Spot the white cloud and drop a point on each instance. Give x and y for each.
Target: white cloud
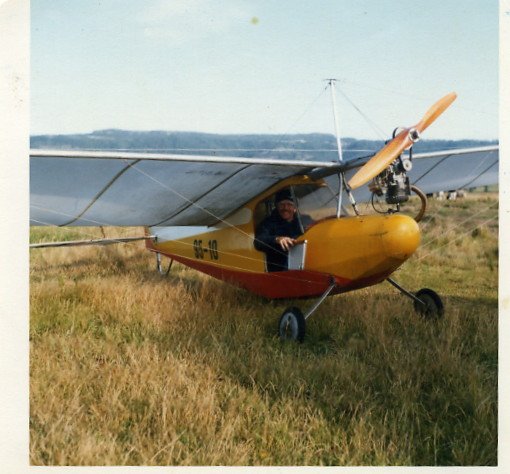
(183, 20)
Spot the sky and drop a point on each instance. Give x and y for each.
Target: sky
(249, 66)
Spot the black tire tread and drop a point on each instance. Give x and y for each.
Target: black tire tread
(301, 324)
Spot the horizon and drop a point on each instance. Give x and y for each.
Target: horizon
(191, 132)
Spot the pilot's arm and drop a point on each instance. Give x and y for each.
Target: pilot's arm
(265, 237)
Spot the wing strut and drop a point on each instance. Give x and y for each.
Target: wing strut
(342, 184)
(75, 243)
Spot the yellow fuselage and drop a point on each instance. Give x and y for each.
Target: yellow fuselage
(356, 251)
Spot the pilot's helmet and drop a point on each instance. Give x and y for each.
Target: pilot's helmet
(283, 195)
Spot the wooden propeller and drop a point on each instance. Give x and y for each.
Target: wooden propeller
(402, 141)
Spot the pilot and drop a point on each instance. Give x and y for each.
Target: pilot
(277, 233)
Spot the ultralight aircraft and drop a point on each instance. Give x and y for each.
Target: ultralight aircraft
(202, 211)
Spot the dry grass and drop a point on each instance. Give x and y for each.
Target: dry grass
(128, 367)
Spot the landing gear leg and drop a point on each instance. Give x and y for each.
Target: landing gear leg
(427, 302)
(159, 267)
(292, 324)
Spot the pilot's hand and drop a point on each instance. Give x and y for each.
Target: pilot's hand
(285, 242)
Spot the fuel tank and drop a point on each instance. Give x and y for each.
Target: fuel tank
(361, 247)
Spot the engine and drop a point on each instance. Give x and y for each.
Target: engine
(393, 182)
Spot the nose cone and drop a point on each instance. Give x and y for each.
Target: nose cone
(401, 237)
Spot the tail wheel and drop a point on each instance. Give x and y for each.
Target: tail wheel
(292, 325)
(431, 306)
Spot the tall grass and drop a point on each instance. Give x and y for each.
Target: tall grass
(128, 367)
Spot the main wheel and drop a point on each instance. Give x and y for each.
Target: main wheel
(292, 325)
(432, 307)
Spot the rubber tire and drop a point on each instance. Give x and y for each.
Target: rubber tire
(433, 309)
(292, 325)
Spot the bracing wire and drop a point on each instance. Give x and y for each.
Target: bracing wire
(374, 126)
(307, 108)
(460, 236)
(452, 228)
(410, 95)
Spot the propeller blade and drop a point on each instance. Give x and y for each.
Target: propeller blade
(435, 111)
(385, 156)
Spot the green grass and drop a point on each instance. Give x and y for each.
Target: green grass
(129, 367)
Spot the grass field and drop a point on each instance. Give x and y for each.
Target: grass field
(128, 367)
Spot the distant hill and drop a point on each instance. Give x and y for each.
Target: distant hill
(312, 146)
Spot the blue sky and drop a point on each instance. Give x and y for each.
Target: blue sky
(248, 66)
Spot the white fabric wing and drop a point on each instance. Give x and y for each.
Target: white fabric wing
(455, 169)
(128, 189)
(94, 189)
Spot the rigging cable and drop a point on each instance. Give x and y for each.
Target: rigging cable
(374, 126)
(308, 107)
(457, 238)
